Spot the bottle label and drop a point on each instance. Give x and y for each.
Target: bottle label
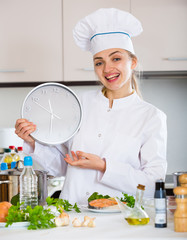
(160, 211)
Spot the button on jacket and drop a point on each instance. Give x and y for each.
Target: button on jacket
(131, 137)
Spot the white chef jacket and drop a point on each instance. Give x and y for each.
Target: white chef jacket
(131, 136)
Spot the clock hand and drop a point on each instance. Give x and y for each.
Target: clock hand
(51, 122)
(46, 109)
(51, 110)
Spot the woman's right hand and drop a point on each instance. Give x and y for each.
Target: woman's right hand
(23, 128)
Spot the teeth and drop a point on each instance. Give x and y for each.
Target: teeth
(112, 76)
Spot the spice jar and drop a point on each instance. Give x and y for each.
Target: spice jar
(180, 215)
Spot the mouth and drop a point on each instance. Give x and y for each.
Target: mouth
(112, 77)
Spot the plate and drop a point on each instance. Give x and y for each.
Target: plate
(15, 225)
(107, 210)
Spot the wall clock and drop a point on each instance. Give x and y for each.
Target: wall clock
(56, 111)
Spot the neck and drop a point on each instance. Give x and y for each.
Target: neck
(111, 95)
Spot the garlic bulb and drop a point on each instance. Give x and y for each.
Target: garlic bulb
(62, 220)
(76, 222)
(91, 223)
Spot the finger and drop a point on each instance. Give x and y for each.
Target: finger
(74, 156)
(83, 155)
(19, 121)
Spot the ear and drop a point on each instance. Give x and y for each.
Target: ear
(134, 63)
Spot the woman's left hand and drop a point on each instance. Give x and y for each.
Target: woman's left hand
(86, 160)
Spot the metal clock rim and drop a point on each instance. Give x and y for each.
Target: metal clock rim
(65, 87)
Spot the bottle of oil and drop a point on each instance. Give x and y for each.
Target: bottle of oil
(7, 158)
(138, 216)
(160, 205)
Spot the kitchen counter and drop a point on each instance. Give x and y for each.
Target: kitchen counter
(108, 226)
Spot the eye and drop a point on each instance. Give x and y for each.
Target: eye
(98, 64)
(116, 59)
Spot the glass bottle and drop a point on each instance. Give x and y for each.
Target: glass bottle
(160, 205)
(138, 216)
(21, 156)
(7, 158)
(28, 185)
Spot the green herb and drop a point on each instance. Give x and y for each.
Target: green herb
(15, 215)
(130, 200)
(38, 217)
(95, 195)
(62, 204)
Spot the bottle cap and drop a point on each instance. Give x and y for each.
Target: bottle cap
(20, 148)
(27, 161)
(141, 187)
(12, 147)
(13, 164)
(7, 150)
(160, 184)
(4, 166)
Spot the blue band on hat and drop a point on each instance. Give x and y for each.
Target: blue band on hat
(109, 33)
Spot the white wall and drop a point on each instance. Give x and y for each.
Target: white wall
(167, 94)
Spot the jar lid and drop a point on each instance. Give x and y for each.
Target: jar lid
(20, 148)
(12, 147)
(7, 150)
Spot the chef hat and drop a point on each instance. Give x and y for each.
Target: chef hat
(107, 28)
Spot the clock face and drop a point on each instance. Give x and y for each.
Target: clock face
(56, 111)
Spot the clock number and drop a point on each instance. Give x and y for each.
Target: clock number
(44, 91)
(27, 108)
(35, 99)
(56, 90)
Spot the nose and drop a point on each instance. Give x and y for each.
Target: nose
(108, 67)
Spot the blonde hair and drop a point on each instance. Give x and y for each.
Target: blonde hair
(134, 81)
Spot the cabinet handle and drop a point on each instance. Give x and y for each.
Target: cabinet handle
(11, 70)
(175, 59)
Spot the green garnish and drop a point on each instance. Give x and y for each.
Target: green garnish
(95, 195)
(62, 204)
(130, 200)
(38, 217)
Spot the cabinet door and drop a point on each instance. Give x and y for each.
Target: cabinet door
(31, 40)
(162, 45)
(78, 65)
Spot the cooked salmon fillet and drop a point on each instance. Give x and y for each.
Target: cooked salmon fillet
(102, 203)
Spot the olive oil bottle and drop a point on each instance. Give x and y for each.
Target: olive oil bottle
(138, 216)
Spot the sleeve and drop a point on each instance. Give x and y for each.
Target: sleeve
(48, 158)
(152, 157)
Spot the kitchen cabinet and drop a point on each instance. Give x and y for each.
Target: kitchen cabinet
(30, 41)
(162, 45)
(78, 65)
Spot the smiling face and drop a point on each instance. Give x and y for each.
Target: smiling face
(114, 68)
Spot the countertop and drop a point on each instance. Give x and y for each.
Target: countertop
(108, 226)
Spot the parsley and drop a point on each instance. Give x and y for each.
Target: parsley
(38, 217)
(62, 204)
(95, 195)
(130, 200)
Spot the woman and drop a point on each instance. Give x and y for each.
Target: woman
(122, 140)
